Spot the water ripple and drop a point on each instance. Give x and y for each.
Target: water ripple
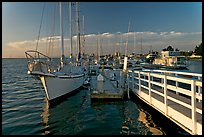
(25, 110)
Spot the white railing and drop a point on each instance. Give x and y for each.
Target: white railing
(181, 88)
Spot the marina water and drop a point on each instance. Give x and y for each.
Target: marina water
(26, 112)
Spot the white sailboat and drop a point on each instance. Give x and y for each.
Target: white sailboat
(57, 83)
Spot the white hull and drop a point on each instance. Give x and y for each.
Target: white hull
(59, 86)
(56, 82)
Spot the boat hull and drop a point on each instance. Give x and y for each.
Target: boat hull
(56, 87)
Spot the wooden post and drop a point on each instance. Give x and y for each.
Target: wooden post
(165, 94)
(193, 104)
(149, 83)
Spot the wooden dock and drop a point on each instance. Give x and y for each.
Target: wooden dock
(106, 90)
(181, 104)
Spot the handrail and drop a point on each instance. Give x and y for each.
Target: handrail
(176, 72)
(36, 59)
(194, 92)
(35, 52)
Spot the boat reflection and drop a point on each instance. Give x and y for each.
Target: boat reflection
(127, 126)
(142, 125)
(147, 120)
(45, 117)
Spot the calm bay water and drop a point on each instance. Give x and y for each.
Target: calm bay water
(195, 66)
(26, 112)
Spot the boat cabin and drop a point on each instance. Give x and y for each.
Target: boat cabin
(171, 58)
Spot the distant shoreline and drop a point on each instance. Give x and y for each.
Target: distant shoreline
(196, 59)
(23, 58)
(13, 58)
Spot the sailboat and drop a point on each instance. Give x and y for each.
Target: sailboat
(59, 82)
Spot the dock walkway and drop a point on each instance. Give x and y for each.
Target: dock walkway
(181, 104)
(106, 90)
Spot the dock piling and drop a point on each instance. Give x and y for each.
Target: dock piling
(193, 104)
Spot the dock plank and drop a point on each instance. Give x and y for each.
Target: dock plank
(106, 89)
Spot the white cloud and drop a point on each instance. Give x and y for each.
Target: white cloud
(158, 40)
(104, 34)
(195, 33)
(20, 44)
(172, 33)
(90, 35)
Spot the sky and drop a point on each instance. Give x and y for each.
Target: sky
(152, 25)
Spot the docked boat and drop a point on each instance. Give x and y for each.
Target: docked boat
(171, 60)
(69, 75)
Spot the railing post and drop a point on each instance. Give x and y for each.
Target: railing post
(193, 104)
(139, 83)
(162, 80)
(176, 83)
(165, 94)
(152, 79)
(199, 90)
(149, 83)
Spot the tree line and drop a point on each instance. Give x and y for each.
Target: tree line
(197, 50)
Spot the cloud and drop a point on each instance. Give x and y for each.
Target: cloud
(195, 33)
(20, 44)
(104, 34)
(33, 43)
(158, 40)
(90, 35)
(172, 33)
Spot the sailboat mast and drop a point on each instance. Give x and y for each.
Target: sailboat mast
(141, 46)
(134, 44)
(121, 44)
(79, 37)
(83, 35)
(61, 29)
(98, 47)
(126, 58)
(127, 40)
(78, 46)
(70, 27)
(115, 45)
